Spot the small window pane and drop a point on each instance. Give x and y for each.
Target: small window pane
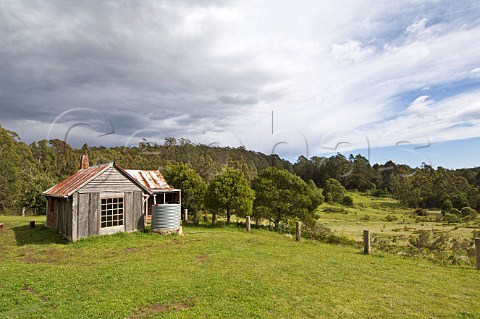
(111, 212)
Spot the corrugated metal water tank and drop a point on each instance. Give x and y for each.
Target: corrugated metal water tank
(166, 216)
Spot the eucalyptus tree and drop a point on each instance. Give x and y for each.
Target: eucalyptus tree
(281, 195)
(229, 193)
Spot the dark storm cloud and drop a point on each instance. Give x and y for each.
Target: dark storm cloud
(215, 70)
(136, 62)
(238, 100)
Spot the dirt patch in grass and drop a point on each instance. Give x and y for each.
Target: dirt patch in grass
(201, 258)
(35, 293)
(161, 308)
(52, 256)
(132, 250)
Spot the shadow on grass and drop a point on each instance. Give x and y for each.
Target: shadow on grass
(40, 235)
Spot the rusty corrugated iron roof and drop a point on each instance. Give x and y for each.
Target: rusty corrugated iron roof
(150, 181)
(153, 180)
(68, 186)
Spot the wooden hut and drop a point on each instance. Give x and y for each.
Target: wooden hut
(96, 200)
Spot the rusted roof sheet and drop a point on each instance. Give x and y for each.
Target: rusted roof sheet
(153, 180)
(150, 181)
(68, 186)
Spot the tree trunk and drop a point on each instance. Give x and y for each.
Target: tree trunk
(228, 217)
(214, 217)
(195, 220)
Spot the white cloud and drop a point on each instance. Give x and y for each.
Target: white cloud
(197, 71)
(453, 118)
(418, 27)
(351, 51)
(421, 104)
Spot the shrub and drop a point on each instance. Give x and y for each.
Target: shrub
(433, 245)
(323, 233)
(381, 193)
(348, 200)
(335, 189)
(456, 212)
(220, 223)
(461, 245)
(473, 215)
(468, 213)
(328, 197)
(339, 210)
(460, 200)
(420, 212)
(422, 219)
(206, 218)
(446, 206)
(391, 218)
(451, 218)
(439, 247)
(365, 218)
(426, 239)
(386, 244)
(476, 234)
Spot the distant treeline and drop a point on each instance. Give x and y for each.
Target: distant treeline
(423, 187)
(27, 170)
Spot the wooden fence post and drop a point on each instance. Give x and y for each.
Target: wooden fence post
(185, 215)
(248, 223)
(366, 242)
(477, 249)
(298, 231)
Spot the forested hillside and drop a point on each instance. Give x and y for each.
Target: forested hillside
(423, 187)
(27, 170)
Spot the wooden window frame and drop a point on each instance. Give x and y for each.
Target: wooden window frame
(112, 212)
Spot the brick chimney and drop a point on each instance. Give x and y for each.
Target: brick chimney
(84, 161)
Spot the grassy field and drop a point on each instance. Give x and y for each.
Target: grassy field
(219, 273)
(385, 217)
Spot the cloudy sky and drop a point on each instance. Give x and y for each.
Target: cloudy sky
(393, 80)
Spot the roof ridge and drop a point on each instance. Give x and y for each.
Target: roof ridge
(108, 163)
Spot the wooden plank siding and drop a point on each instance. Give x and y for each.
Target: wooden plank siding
(61, 218)
(128, 211)
(68, 214)
(110, 181)
(93, 218)
(75, 197)
(139, 220)
(133, 213)
(87, 215)
(83, 213)
(64, 217)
